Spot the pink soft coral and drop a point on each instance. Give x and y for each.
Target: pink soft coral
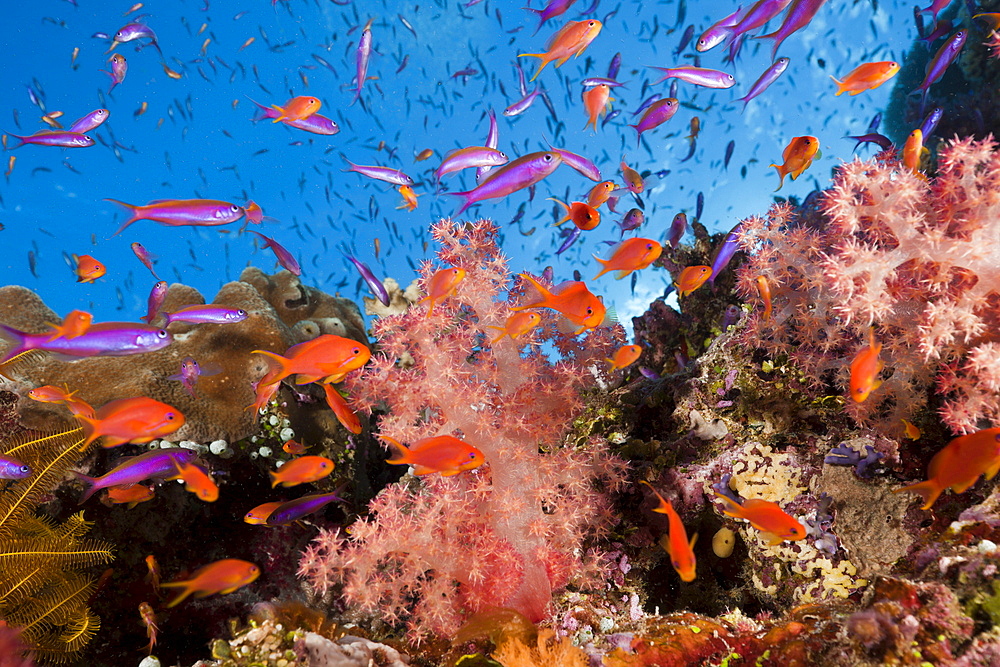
(509, 533)
(918, 259)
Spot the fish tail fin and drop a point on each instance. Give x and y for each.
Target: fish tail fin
(604, 266)
(545, 294)
(130, 209)
(401, 453)
(782, 172)
(928, 490)
(840, 85)
(733, 508)
(466, 204)
(499, 337)
(19, 138)
(17, 340)
(89, 426)
(92, 486)
(188, 590)
(281, 114)
(282, 362)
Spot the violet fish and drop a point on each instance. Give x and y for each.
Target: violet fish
(91, 121)
(157, 464)
(11, 468)
(179, 212)
(207, 314)
(379, 173)
(361, 58)
(800, 14)
(105, 339)
(156, 297)
(769, 76)
(944, 57)
(57, 138)
(284, 257)
(521, 173)
(659, 112)
(578, 162)
(699, 76)
(374, 284)
(725, 251)
(293, 510)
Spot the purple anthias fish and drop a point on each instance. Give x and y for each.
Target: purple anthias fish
(492, 141)
(719, 31)
(191, 370)
(361, 58)
(466, 158)
(374, 284)
(769, 76)
(573, 234)
(59, 138)
(600, 81)
(143, 256)
(207, 314)
(801, 13)
(760, 13)
(646, 102)
(659, 112)
(614, 66)
(119, 68)
(132, 31)
(155, 301)
(157, 464)
(871, 138)
(553, 9)
(632, 220)
(294, 510)
(179, 212)
(699, 76)
(931, 122)
(522, 105)
(579, 163)
(944, 57)
(677, 228)
(521, 173)
(285, 258)
(91, 121)
(11, 468)
(106, 339)
(724, 253)
(316, 123)
(387, 174)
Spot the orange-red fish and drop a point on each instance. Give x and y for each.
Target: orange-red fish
(293, 447)
(517, 325)
(624, 356)
(959, 465)
(571, 39)
(149, 620)
(152, 572)
(442, 285)
(222, 576)
(600, 193)
(258, 515)
(445, 454)
(797, 156)
(197, 481)
(328, 357)
(773, 523)
(572, 299)
(913, 151)
(302, 470)
(910, 431)
(866, 77)
(423, 155)
(138, 420)
(409, 198)
(88, 269)
(132, 495)
(628, 256)
(865, 368)
(595, 101)
(297, 108)
(583, 215)
(343, 412)
(692, 278)
(75, 324)
(680, 549)
(764, 288)
(633, 181)
(52, 394)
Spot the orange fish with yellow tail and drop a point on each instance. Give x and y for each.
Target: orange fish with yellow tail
(677, 545)
(571, 299)
(959, 465)
(797, 156)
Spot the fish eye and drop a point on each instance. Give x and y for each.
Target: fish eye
(234, 208)
(548, 157)
(241, 313)
(170, 416)
(356, 350)
(502, 154)
(162, 333)
(25, 469)
(590, 311)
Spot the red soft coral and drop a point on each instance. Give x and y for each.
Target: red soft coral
(509, 533)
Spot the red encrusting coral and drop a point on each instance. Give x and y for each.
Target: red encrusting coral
(917, 259)
(509, 533)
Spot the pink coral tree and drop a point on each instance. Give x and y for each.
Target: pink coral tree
(918, 259)
(509, 533)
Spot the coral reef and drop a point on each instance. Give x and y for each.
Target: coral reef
(506, 534)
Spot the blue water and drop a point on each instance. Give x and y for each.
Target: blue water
(196, 138)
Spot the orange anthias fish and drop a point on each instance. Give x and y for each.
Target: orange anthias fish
(138, 420)
(571, 39)
(866, 77)
(197, 481)
(775, 526)
(297, 108)
(601, 193)
(294, 447)
(132, 495)
(302, 470)
(88, 269)
(75, 324)
(633, 181)
(409, 198)
(343, 412)
(445, 454)
(517, 325)
(52, 394)
(595, 102)
(328, 358)
(692, 278)
(680, 549)
(630, 255)
(572, 299)
(149, 620)
(959, 465)
(258, 515)
(624, 356)
(865, 368)
(909, 430)
(913, 152)
(442, 285)
(798, 155)
(764, 288)
(583, 215)
(222, 576)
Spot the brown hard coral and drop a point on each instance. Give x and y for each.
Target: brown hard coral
(218, 411)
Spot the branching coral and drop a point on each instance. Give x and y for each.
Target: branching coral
(508, 533)
(917, 259)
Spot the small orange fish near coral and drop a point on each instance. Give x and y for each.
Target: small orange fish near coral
(409, 198)
(630, 255)
(294, 447)
(914, 151)
(909, 430)
(692, 278)
(624, 356)
(601, 193)
(88, 269)
(302, 470)
(442, 284)
(222, 576)
(149, 620)
(258, 515)
(343, 412)
(633, 181)
(677, 545)
(445, 454)
(197, 481)
(132, 495)
(797, 156)
(865, 368)
(773, 523)
(517, 325)
(75, 324)
(328, 357)
(595, 102)
(866, 77)
(959, 465)
(138, 420)
(570, 298)
(764, 289)
(583, 215)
